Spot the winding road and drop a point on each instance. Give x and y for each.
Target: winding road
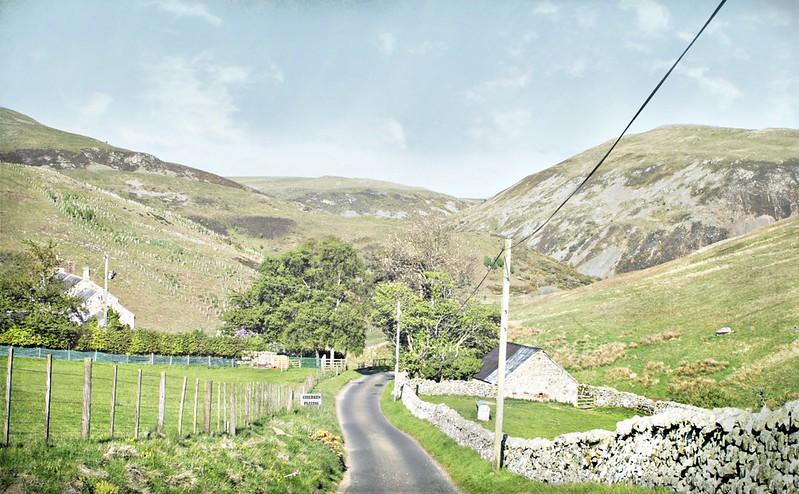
(381, 457)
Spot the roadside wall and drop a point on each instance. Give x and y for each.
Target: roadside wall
(723, 450)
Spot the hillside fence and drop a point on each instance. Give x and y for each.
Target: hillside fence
(151, 359)
(58, 401)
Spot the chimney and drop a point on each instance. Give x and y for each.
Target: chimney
(86, 273)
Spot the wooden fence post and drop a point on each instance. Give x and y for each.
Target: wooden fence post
(86, 416)
(182, 403)
(48, 389)
(225, 425)
(209, 386)
(218, 404)
(162, 402)
(232, 430)
(9, 371)
(196, 391)
(138, 407)
(247, 404)
(113, 400)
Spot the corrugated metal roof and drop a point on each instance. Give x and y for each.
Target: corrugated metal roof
(515, 356)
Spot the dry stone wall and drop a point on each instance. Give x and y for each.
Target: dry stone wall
(464, 388)
(724, 450)
(609, 397)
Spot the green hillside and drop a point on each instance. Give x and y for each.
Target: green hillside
(182, 239)
(20, 131)
(358, 196)
(661, 194)
(653, 331)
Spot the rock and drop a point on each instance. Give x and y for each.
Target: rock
(89, 473)
(123, 451)
(723, 331)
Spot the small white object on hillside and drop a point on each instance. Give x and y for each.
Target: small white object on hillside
(723, 331)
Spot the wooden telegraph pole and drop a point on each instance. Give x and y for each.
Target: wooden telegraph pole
(396, 351)
(503, 343)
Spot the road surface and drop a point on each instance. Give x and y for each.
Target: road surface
(382, 458)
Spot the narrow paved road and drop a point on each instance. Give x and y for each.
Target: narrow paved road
(382, 458)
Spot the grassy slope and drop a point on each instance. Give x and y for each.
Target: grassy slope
(274, 455)
(642, 207)
(27, 413)
(22, 132)
(529, 419)
(471, 473)
(665, 317)
(350, 196)
(173, 274)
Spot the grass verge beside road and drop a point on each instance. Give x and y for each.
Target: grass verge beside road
(472, 474)
(300, 451)
(531, 419)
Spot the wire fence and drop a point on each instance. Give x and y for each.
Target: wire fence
(51, 400)
(151, 359)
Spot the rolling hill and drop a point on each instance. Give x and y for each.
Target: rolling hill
(180, 238)
(653, 331)
(358, 196)
(661, 195)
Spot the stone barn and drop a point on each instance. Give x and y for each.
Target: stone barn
(530, 374)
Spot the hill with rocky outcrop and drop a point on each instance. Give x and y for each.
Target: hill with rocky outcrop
(358, 196)
(661, 195)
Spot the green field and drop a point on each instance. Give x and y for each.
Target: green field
(530, 419)
(471, 473)
(298, 451)
(653, 331)
(28, 389)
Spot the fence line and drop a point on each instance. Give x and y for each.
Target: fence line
(75, 407)
(151, 359)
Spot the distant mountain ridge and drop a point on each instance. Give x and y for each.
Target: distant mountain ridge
(358, 196)
(26, 141)
(661, 195)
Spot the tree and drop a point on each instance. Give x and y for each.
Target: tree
(307, 299)
(439, 339)
(427, 246)
(35, 309)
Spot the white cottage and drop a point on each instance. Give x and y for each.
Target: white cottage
(530, 374)
(91, 295)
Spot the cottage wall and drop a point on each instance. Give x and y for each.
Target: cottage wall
(540, 378)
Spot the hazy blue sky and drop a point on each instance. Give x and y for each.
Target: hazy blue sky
(465, 97)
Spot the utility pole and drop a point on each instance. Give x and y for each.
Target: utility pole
(396, 350)
(105, 293)
(503, 344)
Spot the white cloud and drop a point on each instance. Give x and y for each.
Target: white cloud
(395, 133)
(276, 73)
(96, 105)
(586, 17)
(545, 7)
(433, 48)
(185, 8)
(784, 102)
(190, 100)
(518, 47)
(500, 127)
(639, 47)
(387, 44)
(720, 88)
(650, 16)
(515, 78)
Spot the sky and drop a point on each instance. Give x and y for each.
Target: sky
(463, 97)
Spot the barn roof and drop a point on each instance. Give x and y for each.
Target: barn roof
(515, 356)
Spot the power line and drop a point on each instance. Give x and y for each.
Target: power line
(604, 157)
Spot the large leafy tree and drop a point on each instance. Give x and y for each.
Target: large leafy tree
(439, 338)
(306, 299)
(35, 309)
